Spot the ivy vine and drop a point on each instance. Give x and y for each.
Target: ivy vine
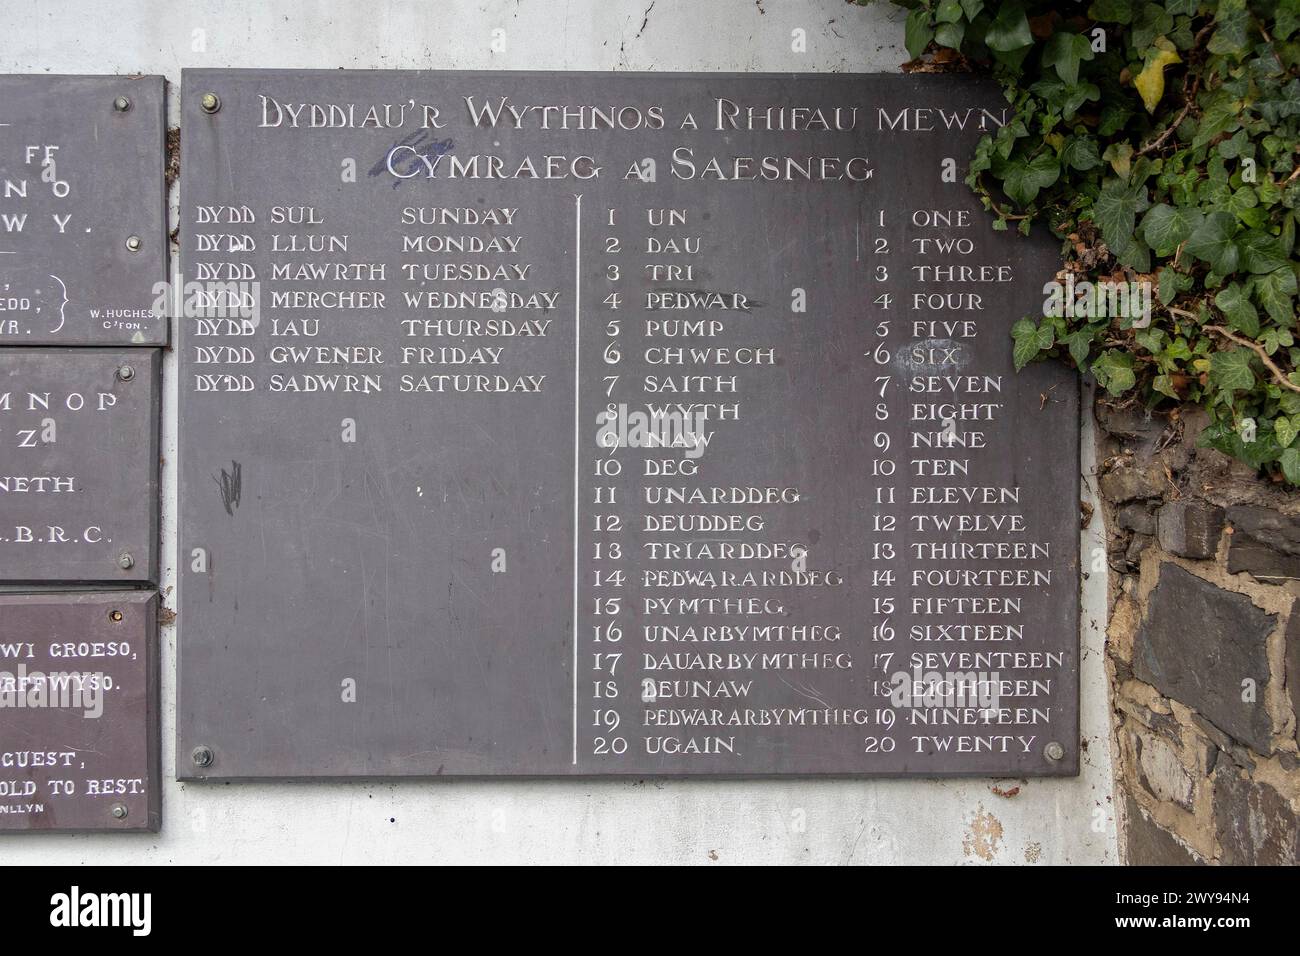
(1160, 141)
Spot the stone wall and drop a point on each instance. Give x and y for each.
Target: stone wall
(1203, 645)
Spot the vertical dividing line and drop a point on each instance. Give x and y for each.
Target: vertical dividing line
(577, 395)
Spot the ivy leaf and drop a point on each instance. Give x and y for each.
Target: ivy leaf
(1023, 179)
(1212, 242)
(1065, 98)
(917, 32)
(1153, 21)
(1285, 431)
(1275, 290)
(1230, 370)
(1225, 438)
(1231, 21)
(948, 11)
(1290, 460)
(1171, 283)
(1120, 157)
(1114, 371)
(1080, 343)
(1114, 115)
(1112, 11)
(1221, 113)
(1236, 307)
(1065, 51)
(1150, 82)
(1080, 152)
(972, 8)
(1243, 203)
(1165, 228)
(1009, 30)
(1136, 255)
(1151, 339)
(1257, 453)
(1030, 339)
(1260, 252)
(1115, 213)
(1236, 147)
(1275, 339)
(950, 35)
(1288, 19)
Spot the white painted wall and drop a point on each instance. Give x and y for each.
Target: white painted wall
(791, 821)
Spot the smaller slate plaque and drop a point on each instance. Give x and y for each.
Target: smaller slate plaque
(79, 711)
(79, 465)
(83, 227)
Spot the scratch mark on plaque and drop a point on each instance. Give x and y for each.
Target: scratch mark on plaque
(810, 694)
(231, 484)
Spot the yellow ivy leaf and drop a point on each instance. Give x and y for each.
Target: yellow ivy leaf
(1150, 82)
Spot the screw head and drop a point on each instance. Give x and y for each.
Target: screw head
(121, 104)
(126, 373)
(1054, 751)
(119, 811)
(202, 756)
(210, 102)
(134, 243)
(125, 561)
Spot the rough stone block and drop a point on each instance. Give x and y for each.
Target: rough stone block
(1161, 772)
(1254, 824)
(1136, 545)
(1189, 528)
(1264, 542)
(1198, 643)
(1148, 844)
(1221, 744)
(1130, 480)
(1137, 516)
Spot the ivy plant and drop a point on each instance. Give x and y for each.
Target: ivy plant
(1160, 141)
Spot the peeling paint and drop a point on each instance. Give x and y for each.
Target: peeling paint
(983, 836)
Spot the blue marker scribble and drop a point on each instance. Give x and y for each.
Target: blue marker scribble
(425, 148)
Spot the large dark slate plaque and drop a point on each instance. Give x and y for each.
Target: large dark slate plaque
(83, 227)
(79, 466)
(79, 711)
(411, 542)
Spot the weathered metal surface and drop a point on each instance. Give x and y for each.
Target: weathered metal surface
(83, 228)
(79, 739)
(79, 465)
(402, 540)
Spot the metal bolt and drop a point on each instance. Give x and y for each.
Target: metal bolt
(119, 811)
(126, 373)
(202, 756)
(125, 561)
(121, 104)
(1054, 751)
(211, 102)
(134, 243)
